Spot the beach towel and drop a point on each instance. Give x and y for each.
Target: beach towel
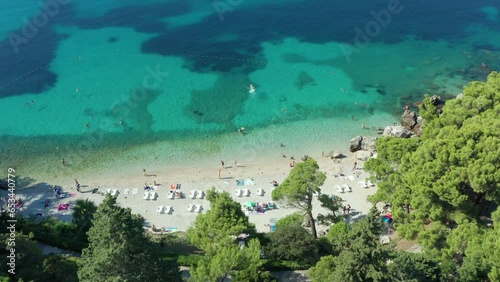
(171, 229)
(63, 207)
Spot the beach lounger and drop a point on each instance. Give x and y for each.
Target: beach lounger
(134, 191)
(114, 192)
(246, 192)
(350, 177)
(346, 187)
(152, 195)
(126, 191)
(339, 189)
(159, 209)
(362, 184)
(198, 208)
(190, 208)
(192, 194)
(108, 191)
(200, 194)
(171, 195)
(260, 192)
(146, 196)
(238, 192)
(369, 183)
(168, 210)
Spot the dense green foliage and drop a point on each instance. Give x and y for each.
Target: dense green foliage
(292, 243)
(215, 233)
(362, 256)
(333, 205)
(119, 250)
(448, 177)
(83, 214)
(414, 267)
(60, 269)
(294, 219)
(28, 257)
(299, 188)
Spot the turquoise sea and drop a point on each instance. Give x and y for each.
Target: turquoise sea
(109, 83)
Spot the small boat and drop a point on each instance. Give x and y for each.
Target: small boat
(251, 89)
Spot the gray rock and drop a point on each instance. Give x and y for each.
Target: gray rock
(363, 155)
(397, 131)
(336, 155)
(355, 143)
(369, 143)
(409, 120)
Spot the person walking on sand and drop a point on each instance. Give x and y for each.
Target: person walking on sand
(344, 209)
(222, 163)
(355, 165)
(348, 209)
(144, 172)
(77, 185)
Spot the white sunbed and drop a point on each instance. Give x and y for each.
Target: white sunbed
(192, 194)
(362, 184)
(108, 191)
(246, 192)
(126, 191)
(146, 196)
(339, 189)
(159, 209)
(238, 193)
(190, 208)
(200, 194)
(134, 191)
(168, 209)
(350, 177)
(198, 208)
(152, 195)
(346, 187)
(369, 183)
(260, 192)
(114, 192)
(171, 195)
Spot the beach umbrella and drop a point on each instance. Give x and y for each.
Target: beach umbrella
(250, 204)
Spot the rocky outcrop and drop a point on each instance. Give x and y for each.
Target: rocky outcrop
(363, 155)
(409, 119)
(397, 131)
(369, 143)
(355, 143)
(366, 143)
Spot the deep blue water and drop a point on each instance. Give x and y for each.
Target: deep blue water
(314, 21)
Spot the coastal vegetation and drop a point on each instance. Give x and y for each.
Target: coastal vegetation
(444, 186)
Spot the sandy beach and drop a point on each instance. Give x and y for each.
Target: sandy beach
(199, 178)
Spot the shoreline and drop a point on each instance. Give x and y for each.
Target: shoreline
(258, 156)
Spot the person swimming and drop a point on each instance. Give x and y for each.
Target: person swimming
(251, 88)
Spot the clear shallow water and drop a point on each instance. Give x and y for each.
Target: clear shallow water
(177, 76)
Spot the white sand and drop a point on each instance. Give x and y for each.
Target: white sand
(202, 178)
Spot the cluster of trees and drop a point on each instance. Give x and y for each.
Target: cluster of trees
(444, 186)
